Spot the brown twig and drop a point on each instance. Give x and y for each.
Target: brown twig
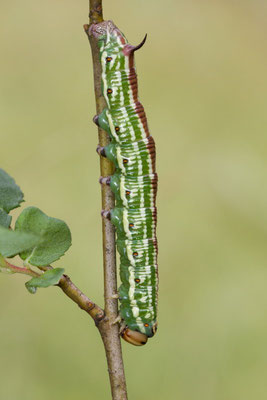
(66, 285)
(81, 299)
(109, 332)
(95, 11)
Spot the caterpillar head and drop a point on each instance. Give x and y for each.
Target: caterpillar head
(137, 338)
(134, 337)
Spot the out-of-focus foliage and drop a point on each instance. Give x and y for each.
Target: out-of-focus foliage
(10, 197)
(202, 80)
(10, 194)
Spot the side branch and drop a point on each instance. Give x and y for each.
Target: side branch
(75, 294)
(67, 286)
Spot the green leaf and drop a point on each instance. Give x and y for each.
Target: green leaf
(31, 289)
(13, 243)
(10, 194)
(49, 278)
(5, 219)
(55, 235)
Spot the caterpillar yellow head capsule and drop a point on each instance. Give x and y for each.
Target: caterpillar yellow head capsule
(134, 337)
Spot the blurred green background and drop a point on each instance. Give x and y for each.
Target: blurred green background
(202, 80)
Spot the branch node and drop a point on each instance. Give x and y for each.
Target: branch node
(90, 306)
(99, 319)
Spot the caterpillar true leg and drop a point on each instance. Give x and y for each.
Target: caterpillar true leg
(116, 320)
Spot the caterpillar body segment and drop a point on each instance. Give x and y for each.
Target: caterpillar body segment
(124, 130)
(136, 158)
(134, 224)
(133, 192)
(134, 183)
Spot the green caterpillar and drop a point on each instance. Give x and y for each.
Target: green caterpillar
(134, 183)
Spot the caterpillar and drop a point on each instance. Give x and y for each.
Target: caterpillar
(134, 183)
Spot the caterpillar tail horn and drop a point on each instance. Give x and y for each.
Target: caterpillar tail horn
(141, 44)
(128, 49)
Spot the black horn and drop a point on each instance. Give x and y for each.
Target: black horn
(129, 49)
(134, 48)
